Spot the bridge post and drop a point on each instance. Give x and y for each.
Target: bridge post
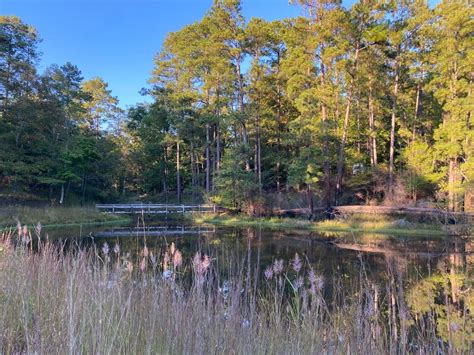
(113, 209)
(183, 208)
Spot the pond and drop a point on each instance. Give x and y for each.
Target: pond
(422, 287)
(411, 260)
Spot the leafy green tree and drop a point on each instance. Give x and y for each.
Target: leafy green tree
(452, 83)
(236, 186)
(421, 176)
(100, 105)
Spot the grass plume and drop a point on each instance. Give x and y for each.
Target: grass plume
(61, 299)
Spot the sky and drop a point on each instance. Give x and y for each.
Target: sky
(117, 39)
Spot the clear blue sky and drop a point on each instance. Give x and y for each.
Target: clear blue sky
(117, 39)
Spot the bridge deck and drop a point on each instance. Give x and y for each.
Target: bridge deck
(154, 232)
(153, 208)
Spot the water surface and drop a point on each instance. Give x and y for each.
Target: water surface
(413, 258)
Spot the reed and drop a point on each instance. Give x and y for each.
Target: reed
(64, 299)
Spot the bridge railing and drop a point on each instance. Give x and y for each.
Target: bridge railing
(154, 208)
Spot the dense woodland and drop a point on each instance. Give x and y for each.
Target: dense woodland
(364, 105)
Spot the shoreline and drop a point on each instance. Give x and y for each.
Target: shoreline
(342, 226)
(55, 217)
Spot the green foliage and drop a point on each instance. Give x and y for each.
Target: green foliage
(235, 185)
(303, 171)
(46, 147)
(241, 108)
(421, 177)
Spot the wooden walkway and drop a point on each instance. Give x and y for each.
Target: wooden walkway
(155, 231)
(154, 208)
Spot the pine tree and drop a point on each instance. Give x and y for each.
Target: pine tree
(452, 82)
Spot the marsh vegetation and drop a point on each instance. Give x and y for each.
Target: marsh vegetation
(231, 293)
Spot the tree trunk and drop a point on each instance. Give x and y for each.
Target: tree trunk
(165, 174)
(178, 177)
(84, 181)
(417, 109)
(124, 181)
(372, 138)
(67, 189)
(61, 198)
(193, 173)
(218, 133)
(245, 138)
(258, 164)
(208, 160)
(469, 200)
(452, 176)
(391, 168)
(309, 195)
(326, 163)
(218, 148)
(341, 160)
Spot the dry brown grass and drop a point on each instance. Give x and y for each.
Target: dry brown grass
(57, 300)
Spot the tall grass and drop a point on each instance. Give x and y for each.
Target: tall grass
(52, 215)
(74, 300)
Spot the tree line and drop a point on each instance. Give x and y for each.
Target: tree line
(366, 104)
(52, 139)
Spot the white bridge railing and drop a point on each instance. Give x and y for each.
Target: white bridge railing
(153, 208)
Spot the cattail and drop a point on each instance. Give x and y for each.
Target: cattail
(145, 251)
(297, 264)
(117, 248)
(172, 249)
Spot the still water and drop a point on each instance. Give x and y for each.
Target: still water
(412, 258)
(417, 285)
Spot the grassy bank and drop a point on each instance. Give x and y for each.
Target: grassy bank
(79, 302)
(356, 224)
(54, 216)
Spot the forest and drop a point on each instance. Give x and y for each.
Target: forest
(371, 104)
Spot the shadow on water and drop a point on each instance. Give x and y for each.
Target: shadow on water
(331, 254)
(410, 278)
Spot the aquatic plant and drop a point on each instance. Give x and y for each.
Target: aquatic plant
(55, 300)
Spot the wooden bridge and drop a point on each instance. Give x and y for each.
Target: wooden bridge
(154, 231)
(154, 208)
